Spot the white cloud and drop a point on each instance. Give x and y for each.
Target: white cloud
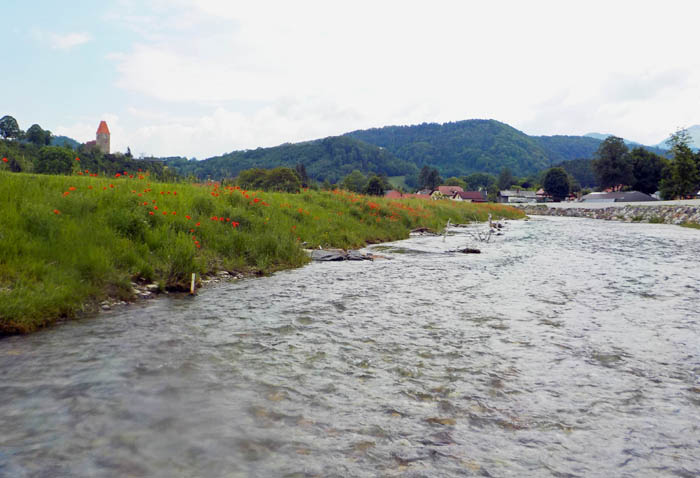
(315, 68)
(68, 40)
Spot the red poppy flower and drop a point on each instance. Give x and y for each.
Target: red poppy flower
(117, 175)
(197, 224)
(150, 212)
(89, 187)
(111, 185)
(72, 188)
(188, 217)
(56, 211)
(256, 200)
(174, 213)
(4, 160)
(77, 159)
(80, 173)
(165, 213)
(155, 207)
(66, 193)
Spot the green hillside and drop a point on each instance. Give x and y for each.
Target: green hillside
(330, 158)
(462, 147)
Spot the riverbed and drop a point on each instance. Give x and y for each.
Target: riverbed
(568, 347)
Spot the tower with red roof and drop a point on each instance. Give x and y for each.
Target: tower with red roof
(103, 137)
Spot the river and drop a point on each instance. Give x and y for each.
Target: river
(569, 347)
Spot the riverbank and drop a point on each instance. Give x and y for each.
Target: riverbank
(68, 243)
(683, 215)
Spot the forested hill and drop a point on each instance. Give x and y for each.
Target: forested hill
(462, 147)
(330, 158)
(567, 148)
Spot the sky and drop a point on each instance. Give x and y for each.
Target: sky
(199, 78)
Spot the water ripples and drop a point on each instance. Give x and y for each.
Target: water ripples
(569, 347)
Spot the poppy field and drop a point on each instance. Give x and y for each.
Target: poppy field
(68, 242)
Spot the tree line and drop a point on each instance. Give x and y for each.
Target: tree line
(34, 151)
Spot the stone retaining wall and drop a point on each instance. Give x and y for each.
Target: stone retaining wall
(654, 214)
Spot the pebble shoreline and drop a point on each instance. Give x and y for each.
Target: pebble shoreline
(647, 214)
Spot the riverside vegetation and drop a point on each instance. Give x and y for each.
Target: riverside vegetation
(68, 242)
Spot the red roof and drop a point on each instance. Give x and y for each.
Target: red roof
(102, 128)
(474, 196)
(449, 190)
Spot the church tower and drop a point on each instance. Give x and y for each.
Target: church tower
(103, 137)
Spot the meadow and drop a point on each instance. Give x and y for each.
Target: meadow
(69, 242)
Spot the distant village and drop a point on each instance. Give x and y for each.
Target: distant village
(522, 196)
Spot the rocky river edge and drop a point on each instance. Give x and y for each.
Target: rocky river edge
(632, 213)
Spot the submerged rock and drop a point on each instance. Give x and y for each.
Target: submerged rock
(330, 255)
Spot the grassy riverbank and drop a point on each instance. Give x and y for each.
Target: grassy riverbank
(68, 242)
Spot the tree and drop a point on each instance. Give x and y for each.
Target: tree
(505, 179)
(479, 181)
(303, 175)
(35, 134)
(453, 181)
(282, 179)
(355, 181)
(556, 183)
(54, 160)
(429, 178)
(647, 168)
(684, 177)
(375, 186)
(9, 129)
(612, 165)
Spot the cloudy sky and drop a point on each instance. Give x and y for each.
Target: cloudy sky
(202, 77)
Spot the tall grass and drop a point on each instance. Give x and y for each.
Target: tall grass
(68, 242)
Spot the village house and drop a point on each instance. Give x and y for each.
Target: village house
(469, 196)
(617, 196)
(517, 196)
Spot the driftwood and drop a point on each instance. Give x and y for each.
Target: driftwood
(423, 230)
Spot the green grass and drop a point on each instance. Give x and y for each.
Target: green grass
(691, 225)
(64, 250)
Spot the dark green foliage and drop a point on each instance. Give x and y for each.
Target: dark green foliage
(278, 179)
(375, 186)
(331, 158)
(38, 136)
(612, 165)
(429, 178)
(9, 129)
(303, 175)
(556, 183)
(65, 142)
(477, 181)
(505, 179)
(355, 181)
(581, 170)
(453, 181)
(648, 170)
(462, 147)
(682, 177)
(54, 160)
(567, 148)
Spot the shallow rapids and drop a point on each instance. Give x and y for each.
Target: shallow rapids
(568, 347)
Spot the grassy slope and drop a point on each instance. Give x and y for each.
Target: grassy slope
(67, 242)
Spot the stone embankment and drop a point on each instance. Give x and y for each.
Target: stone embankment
(631, 213)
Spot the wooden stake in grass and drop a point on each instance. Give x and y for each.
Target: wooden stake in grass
(192, 284)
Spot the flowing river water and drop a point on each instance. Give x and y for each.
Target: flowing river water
(569, 347)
